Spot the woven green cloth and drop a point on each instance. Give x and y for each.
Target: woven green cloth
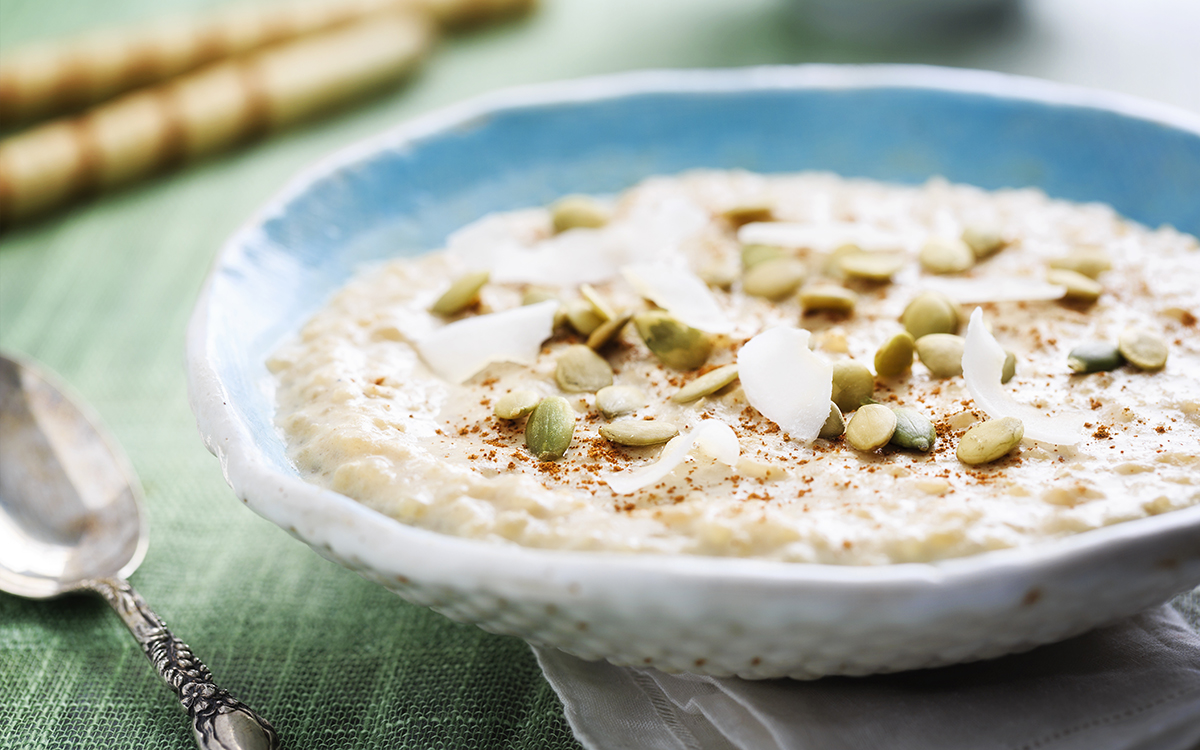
(102, 294)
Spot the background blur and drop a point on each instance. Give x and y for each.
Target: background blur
(102, 291)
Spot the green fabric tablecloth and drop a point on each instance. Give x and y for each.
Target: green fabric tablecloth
(102, 293)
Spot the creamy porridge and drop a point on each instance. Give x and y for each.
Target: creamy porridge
(755, 302)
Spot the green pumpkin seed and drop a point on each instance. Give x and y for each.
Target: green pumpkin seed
(619, 400)
(752, 255)
(946, 256)
(930, 312)
(774, 279)
(834, 425)
(988, 441)
(853, 384)
(638, 432)
(1095, 356)
(581, 370)
(984, 241)
(825, 297)
(1010, 367)
(895, 356)
(463, 293)
(578, 212)
(534, 295)
(549, 429)
(913, 430)
(871, 266)
(583, 317)
(942, 353)
(871, 427)
(747, 213)
(607, 331)
(1089, 261)
(516, 404)
(676, 345)
(1080, 288)
(1143, 349)
(707, 384)
(597, 301)
(719, 274)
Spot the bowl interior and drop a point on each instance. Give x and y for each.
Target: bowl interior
(404, 192)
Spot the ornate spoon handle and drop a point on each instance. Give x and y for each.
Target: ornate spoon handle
(219, 721)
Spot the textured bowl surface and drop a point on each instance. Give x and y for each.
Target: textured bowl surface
(403, 192)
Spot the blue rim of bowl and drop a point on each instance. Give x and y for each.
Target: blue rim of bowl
(230, 440)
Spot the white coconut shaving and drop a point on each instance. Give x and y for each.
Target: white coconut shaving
(680, 292)
(786, 382)
(995, 289)
(983, 365)
(458, 350)
(715, 438)
(827, 237)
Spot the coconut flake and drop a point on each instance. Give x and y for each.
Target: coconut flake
(983, 364)
(996, 289)
(712, 436)
(827, 237)
(458, 350)
(786, 382)
(679, 292)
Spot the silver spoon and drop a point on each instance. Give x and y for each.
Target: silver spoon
(71, 520)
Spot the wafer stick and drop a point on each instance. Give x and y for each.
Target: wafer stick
(47, 79)
(205, 111)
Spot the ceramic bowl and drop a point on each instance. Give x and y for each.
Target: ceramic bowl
(404, 191)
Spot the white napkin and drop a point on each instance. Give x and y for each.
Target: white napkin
(1130, 686)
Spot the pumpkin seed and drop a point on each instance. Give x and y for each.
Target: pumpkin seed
(853, 384)
(984, 241)
(1010, 367)
(581, 370)
(895, 356)
(638, 432)
(583, 317)
(988, 441)
(707, 384)
(752, 255)
(536, 294)
(747, 213)
(675, 344)
(1143, 349)
(597, 301)
(719, 274)
(516, 404)
(1089, 261)
(1080, 288)
(578, 212)
(913, 430)
(834, 425)
(607, 331)
(942, 353)
(549, 429)
(619, 400)
(941, 255)
(463, 293)
(930, 312)
(828, 297)
(871, 266)
(1095, 356)
(833, 261)
(871, 427)
(773, 279)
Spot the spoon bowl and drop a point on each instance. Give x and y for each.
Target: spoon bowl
(71, 520)
(61, 524)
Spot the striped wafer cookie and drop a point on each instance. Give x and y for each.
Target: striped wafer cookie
(39, 80)
(206, 111)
